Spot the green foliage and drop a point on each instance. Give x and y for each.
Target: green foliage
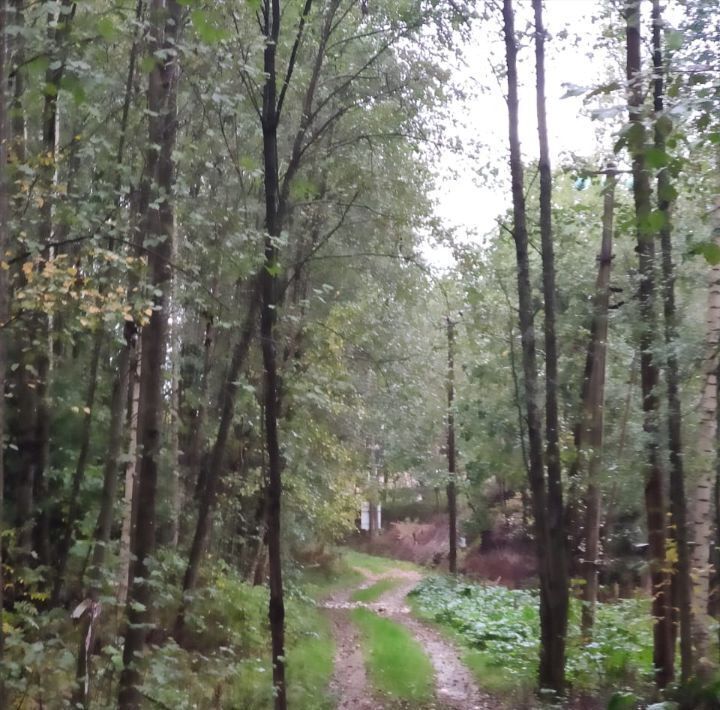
(502, 628)
(39, 661)
(228, 656)
(310, 664)
(709, 250)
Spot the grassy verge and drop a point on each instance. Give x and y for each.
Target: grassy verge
(396, 663)
(309, 669)
(320, 582)
(374, 591)
(310, 665)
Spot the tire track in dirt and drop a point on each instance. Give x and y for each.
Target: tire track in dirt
(349, 684)
(455, 687)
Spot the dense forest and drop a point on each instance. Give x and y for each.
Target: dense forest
(359, 354)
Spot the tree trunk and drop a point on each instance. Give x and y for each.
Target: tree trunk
(157, 223)
(268, 313)
(18, 125)
(552, 663)
(590, 433)
(47, 180)
(4, 305)
(26, 398)
(700, 503)
(175, 487)
(678, 506)
(451, 492)
(133, 417)
(551, 666)
(701, 496)
(663, 656)
(717, 497)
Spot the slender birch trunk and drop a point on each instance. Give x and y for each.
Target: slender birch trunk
(133, 417)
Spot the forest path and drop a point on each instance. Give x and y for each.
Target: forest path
(455, 687)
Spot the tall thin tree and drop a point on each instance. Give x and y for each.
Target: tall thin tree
(663, 656)
(553, 664)
(551, 669)
(590, 434)
(4, 301)
(678, 505)
(451, 484)
(157, 223)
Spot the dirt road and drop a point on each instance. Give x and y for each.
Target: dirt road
(455, 687)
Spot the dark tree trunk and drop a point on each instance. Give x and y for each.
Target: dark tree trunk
(663, 656)
(451, 492)
(268, 313)
(158, 223)
(47, 180)
(590, 432)
(552, 627)
(678, 503)
(716, 591)
(552, 664)
(372, 518)
(4, 305)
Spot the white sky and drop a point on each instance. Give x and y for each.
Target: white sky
(472, 198)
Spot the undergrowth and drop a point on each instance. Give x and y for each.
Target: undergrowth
(224, 661)
(500, 629)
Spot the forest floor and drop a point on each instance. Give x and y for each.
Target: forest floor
(454, 687)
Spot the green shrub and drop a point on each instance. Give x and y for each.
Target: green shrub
(502, 627)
